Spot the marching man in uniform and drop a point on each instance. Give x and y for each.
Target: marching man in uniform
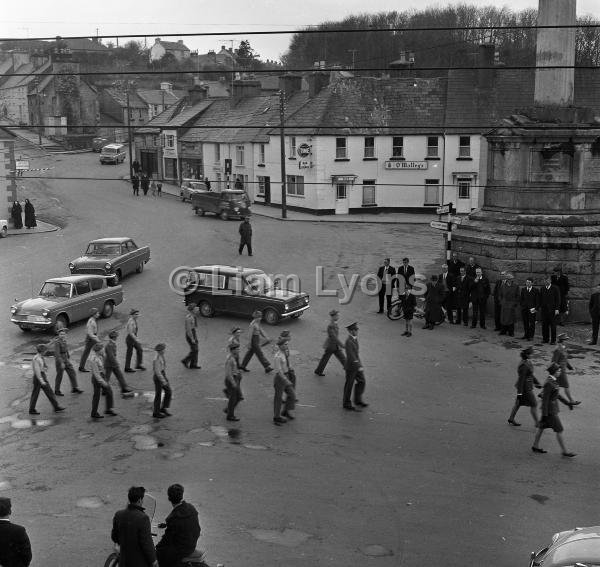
(111, 364)
(333, 345)
(100, 384)
(131, 340)
(232, 381)
(191, 336)
(161, 383)
(62, 360)
(40, 381)
(355, 377)
(281, 384)
(91, 337)
(254, 347)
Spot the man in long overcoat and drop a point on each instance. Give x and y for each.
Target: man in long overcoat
(509, 305)
(550, 308)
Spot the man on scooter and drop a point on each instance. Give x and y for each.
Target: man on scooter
(182, 530)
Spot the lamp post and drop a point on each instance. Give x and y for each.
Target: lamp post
(282, 153)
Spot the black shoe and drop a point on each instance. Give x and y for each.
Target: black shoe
(58, 394)
(380, 311)
(279, 420)
(184, 362)
(126, 391)
(232, 418)
(140, 367)
(513, 422)
(575, 403)
(158, 415)
(569, 454)
(524, 337)
(361, 404)
(288, 415)
(58, 409)
(319, 373)
(536, 450)
(34, 412)
(97, 416)
(197, 367)
(166, 412)
(83, 370)
(129, 370)
(404, 334)
(244, 369)
(110, 412)
(76, 391)
(350, 407)
(268, 370)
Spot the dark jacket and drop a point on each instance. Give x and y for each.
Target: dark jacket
(332, 342)
(110, 355)
(530, 299)
(471, 270)
(245, 230)
(434, 298)
(409, 304)
(463, 292)
(449, 282)
(550, 397)
(353, 363)
(454, 267)
(181, 535)
(408, 273)
(480, 289)
(131, 530)
(562, 283)
(391, 274)
(594, 305)
(549, 301)
(15, 549)
(526, 379)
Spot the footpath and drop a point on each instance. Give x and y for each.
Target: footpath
(41, 227)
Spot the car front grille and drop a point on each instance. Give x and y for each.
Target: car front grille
(296, 303)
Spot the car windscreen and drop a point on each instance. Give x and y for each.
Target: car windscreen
(103, 249)
(53, 289)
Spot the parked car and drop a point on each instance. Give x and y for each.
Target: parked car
(240, 291)
(189, 186)
(3, 228)
(111, 257)
(113, 153)
(580, 546)
(226, 204)
(99, 143)
(62, 301)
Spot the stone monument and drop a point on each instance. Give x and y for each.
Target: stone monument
(542, 197)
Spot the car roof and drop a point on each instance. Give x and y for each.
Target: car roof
(115, 240)
(228, 270)
(114, 146)
(234, 191)
(578, 546)
(74, 279)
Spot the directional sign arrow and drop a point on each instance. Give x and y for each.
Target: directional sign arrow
(439, 225)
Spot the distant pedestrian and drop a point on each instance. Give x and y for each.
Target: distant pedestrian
(480, 291)
(355, 377)
(232, 380)
(462, 296)
(561, 281)
(550, 419)
(16, 214)
(291, 375)
(91, 337)
(550, 309)
(62, 361)
(256, 340)
(145, 183)
(434, 299)
(332, 345)
(135, 166)
(524, 385)
(135, 184)
(238, 185)
(509, 304)
(207, 183)
(30, 221)
(594, 309)
(245, 231)
(530, 303)
(161, 383)
(191, 336)
(111, 363)
(409, 304)
(15, 550)
(40, 382)
(234, 339)
(132, 342)
(471, 268)
(561, 357)
(281, 385)
(100, 384)
(153, 188)
(159, 188)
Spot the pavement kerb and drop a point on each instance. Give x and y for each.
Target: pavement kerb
(42, 226)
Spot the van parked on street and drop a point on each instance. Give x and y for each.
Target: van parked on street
(113, 153)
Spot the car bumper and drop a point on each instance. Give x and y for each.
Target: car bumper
(294, 312)
(94, 271)
(25, 322)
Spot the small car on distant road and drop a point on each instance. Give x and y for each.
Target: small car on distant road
(571, 548)
(240, 291)
(63, 301)
(3, 228)
(226, 204)
(111, 257)
(112, 153)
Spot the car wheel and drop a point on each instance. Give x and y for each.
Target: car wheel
(62, 322)
(24, 329)
(224, 215)
(199, 211)
(140, 268)
(108, 309)
(206, 309)
(4, 232)
(271, 317)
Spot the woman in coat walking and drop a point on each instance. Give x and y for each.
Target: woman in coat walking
(509, 306)
(16, 214)
(524, 386)
(29, 215)
(560, 357)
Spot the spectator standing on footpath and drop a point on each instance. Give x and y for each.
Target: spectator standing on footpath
(135, 184)
(454, 265)
(255, 335)
(30, 221)
(407, 272)
(99, 383)
(17, 215)
(550, 308)
(449, 282)
(62, 361)
(480, 291)
(332, 345)
(385, 274)
(136, 166)
(594, 309)
(161, 383)
(191, 336)
(561, 281)
(40, 381)
(497, 303)
(462, 296)
(509, 302)
(91, 337)
(434, 298)
(132, 342)
(471, 268)
(159, 188)
(530, 303)
(245, 231)
(15, 550)
(524, 385)
(145, 183)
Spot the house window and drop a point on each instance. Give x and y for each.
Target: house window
(341, 191)
(464, 188)
(155, 109)
(368, 193)
(261, 153)
(169, 141)
(369, 147)
(295, 185)
(261, 185)
(397, 147)
(292, 147)
(340, 148)
(432, 192)
(217, 152)
(432, 146)
(239, 155)
(155, 140)
(464, 146)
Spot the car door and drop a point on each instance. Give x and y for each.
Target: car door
(83, 302)
(239, 302)
(131, 259)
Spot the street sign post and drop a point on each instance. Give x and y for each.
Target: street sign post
(439, 225)
(443, 210)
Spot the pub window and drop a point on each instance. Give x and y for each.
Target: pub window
(169, 141)
(432, 192)
(397, 147)
(295, 185)
(341, 191)
(292, 148)
(369, 147)
(464, 188)
(432, 146)
(217, 152)
(261, 185)
(261, 153)
(368, 192)
(464, 146)
(341, 151)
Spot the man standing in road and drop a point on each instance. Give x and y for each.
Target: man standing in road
(462, 297)
(255, 336)
(408, 273)
(40, 382)
(245, 231)
(15, 550)
(355, 377)
(449, 282)
(91, 337)
(530, 302)
(385, 274)
(131, 340)
(232, 381)
(131, 531)
(161, 383)
(480, 291)
(62, 361)
(550, 308)
(111, 363)
(191, 336)
(510, 297)
(100, 383)
(135, 184)
(333, 345)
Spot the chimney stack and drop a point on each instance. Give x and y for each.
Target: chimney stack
(317, 80)
(197, 93)
(485, 76)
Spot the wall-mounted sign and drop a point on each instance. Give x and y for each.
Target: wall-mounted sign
(303, 150)
(343, 179)
(304, 164)
(405, 164)
(22, 164)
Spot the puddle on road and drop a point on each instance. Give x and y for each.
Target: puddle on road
(375, 550)
(287, 537)
(17, 423)
(141, 429)
(233, 435)
(256, 447)
(90, 502)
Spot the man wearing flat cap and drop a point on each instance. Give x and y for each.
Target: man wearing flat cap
(62, 361)
(91, 337)
(355, 377)
(255, 335)
(386, 278)
(191, 336)
(132, 342)
(100, 384)
(111, 363)
(332, 345)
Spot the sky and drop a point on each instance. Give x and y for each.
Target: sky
(155, 18)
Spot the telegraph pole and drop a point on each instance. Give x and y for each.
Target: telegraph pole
(129, 132)
(282, 145)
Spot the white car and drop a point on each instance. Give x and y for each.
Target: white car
(3, 229)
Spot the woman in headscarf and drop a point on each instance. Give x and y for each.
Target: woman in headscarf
(16, 214)
(29, 215)
(524, 386)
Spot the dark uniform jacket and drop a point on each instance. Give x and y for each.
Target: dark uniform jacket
(131, 530)
(354, 362)
(550, 397)
(332, 342)
(245, 230)
(454, 267)
(449, 281)
(15, 549)
(480, 289)
(549, 301)
(530, 299)
(391, 273)
(471, 270)
(526, 379)
(110, 358)
(408, 273)
(463, 292)
(181, 535)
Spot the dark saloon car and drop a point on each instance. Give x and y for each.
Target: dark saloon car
(240, 291)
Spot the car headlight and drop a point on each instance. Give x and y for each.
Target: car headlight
(13, 309)
(107, 266)
(237, 209)
(306, 299)
(71, 266)
(45, 312)
(286, 306)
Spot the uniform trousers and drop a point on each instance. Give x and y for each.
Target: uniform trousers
(109, 370)
(254, 349)
(233, 394)
(89, 343)
(161, 402)
(61, 367)
(139, 352)
(528, 323)
(281, 384)
(98, 389)
(356, 379)
(191, 359)
(45, 387)
(337, 352)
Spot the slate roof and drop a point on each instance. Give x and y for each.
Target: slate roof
(176, 116)
(121, 99)
(157, 96)
(19, 81)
